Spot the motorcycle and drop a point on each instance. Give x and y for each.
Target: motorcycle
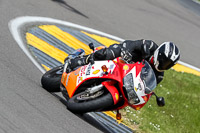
(103, 85)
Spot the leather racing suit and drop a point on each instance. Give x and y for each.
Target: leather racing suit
(131, 51)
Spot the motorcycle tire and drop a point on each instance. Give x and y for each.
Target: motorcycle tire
(51, 79)
(96, 104)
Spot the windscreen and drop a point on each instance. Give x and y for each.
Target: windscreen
(148, 77)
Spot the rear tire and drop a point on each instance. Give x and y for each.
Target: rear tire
(51, 79)
(96, 104)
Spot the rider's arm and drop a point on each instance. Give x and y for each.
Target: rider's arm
(144, 47)
(127, 49)
(110, 53)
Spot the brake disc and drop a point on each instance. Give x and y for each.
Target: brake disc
(87, 96)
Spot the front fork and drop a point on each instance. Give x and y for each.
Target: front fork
(109, 86)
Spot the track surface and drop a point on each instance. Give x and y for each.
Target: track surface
(26, 107)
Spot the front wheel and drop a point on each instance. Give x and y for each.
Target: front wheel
(51, 79)
(81, 104)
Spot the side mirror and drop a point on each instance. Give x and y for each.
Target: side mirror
(91, 45)
(160, 101)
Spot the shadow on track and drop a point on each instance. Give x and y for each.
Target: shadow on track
(67, 6)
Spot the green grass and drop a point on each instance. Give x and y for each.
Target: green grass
(181, 114)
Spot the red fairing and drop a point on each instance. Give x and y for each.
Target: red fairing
(115, 75)
(146, 99)
(113, 91)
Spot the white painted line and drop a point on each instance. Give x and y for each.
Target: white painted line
(15, 24)
(196, 1)
(188, 65)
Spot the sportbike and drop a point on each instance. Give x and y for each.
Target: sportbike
(103, 85)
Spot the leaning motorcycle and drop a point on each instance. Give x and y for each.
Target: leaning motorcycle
(103, 85)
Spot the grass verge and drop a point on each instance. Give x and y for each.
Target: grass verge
(181, 112)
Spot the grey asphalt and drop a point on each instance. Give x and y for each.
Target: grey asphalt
(26, 108)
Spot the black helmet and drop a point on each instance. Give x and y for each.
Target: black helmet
(166, 56)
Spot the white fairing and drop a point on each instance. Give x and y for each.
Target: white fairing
(139, 86)
(95, 70)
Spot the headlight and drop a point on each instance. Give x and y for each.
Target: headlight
(128, 81)
(128, 84)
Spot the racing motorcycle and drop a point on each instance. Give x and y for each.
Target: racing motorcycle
(103, 85)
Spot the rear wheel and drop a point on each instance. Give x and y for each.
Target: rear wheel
(51, 79)
(83, 102)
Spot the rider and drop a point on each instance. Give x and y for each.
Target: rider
(160, 57)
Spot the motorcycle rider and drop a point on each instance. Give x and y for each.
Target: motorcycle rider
(160, 57)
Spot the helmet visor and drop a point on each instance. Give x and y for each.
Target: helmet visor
(164, 62)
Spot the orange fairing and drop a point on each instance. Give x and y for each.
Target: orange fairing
(69, 81)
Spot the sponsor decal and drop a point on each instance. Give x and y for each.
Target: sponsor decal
(88, 70)
(80, 79)
(83, 70)
(112, 66)
(135, 89)
(81, 74)
(125, 67)
(116, 96)
(96, 71)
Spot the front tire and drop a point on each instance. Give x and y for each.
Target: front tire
(96, 104)
(51, 79)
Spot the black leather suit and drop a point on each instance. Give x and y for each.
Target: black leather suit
(128, 50)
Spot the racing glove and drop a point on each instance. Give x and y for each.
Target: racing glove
(126, 55)
(80, 61)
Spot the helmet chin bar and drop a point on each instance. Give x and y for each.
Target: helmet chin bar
(156, 66)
